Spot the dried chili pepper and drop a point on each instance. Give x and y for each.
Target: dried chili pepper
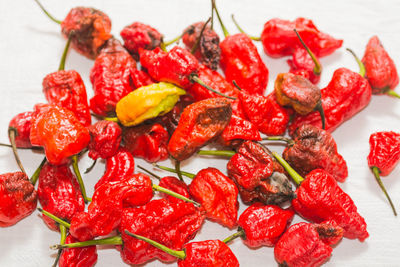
(280, 40)
(237, 131)
(209, 253)
(139, 35)
(381, 71)
(77, 257)
(90, 29)
(319, 198)
(111, 77)
(383, 157)
(306, 244)
(299, 93)
(147, 102)
(18, 198)
(147, 141)
(105, 139)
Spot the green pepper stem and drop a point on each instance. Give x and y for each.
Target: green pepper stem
(6, 145)
(174, 194)
(170, 42)
(47, 13)
(54, 218)
(360, 64)
(12, 134)
(242, 31)
(392, 93)
(180, 254)
(178, 169)
(114, 119)
(212, 15)
(35, 175)
(90, 168)
(295, 176)
(149, 172)
(187, 174)
(239, 233)
(223, 153)
(226, 33)
(63, 231)
(196, 45)
(376, 172)
(114, 240)
(317, 66)
(64, 55)
(289, 141)
(79, 178)
(196, 79)
(236, 85)
(320, 109)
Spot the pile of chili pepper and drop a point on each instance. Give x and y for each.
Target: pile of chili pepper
(159, 102)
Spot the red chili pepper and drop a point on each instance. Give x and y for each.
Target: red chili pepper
(147, 141)
(140, 36)
(58, 193)
(59, 132)
(18, 198)
(306, 244)
(105, 139)
(237, 131)
(111, 77)
(384, 156)
(176, 185)
(280, 40)
(140, 78)
(380, 69)
(77, 257)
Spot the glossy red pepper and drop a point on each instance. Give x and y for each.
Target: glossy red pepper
(18, 198)
(58, 193)
(147, 141)
(59, 132)
(140, 78)
(307, 245)
(105, 139)
(176, 185)
(21, 124)
(237, 131)
(111, 77)
(77, 257)
(302, 64)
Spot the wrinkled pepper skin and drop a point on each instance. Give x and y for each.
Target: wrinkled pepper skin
(303, 65)
(242, 63)
(111, 77)
(279, 39)
(237, 131)
(139, 35)
(59, 193)
(208, 253)
(171, 224)
(147, 141)
(199, 123)
(306, 244)
(381, 71)
(175, 66)
(121, 165)
(174, 184)
(208, 51)
(21, 123)
(90, 29)
(105, 139)
(319, 198)
(264, 224)
(315, 148)
(18, 198)
(65, 88)
(59, 132)
(140, 78)
(384, 151)
(265, 113)
(104, 212)
(346, 94)
(258, 176)
(77, 257)
(217, 195)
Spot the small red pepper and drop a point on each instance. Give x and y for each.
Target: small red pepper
(176, 185)
(140, 78)
(384, 156)
(105, 139)
(307, 245)
(237, 131)
(77, 257)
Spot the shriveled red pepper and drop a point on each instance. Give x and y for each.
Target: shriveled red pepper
(237, 131)
(383, 157)
(18, 198)
(319, 198)
(147, 141)
(111, 77)
(207, 42)
(106, 137)
(381, 71)
(139, 35)
(59, 132)
(280, 40)
(58, 193)
(77, 257)
(306, 244)
(199, 123)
